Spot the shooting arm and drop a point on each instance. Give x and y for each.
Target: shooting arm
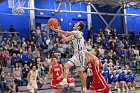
(66, 38)
(61, 31)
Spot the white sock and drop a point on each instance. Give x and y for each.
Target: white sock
(65, 80)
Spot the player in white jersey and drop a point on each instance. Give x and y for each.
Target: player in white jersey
(78, 58)
(32, 80)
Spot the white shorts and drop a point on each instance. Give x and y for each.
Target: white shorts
(34, 86)
(78, 59)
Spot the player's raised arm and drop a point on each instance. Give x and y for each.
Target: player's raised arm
(61, 31)
(91, 56)
(48, 75)
(66, 38)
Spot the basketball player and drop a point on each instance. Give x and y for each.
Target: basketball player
(98, 81)
(78, 58)
(32, 80)
(57, 74)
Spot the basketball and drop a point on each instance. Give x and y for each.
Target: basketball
(53, 22)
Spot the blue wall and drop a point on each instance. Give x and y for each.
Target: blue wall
(97, 22)
(133, 23)
(21, 23)
(67, 17)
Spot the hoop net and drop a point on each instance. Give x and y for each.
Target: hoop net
(17, 6)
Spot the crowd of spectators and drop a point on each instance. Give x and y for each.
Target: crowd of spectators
(20, 55)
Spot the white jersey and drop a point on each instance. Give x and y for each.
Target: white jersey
(33, 76)
(78, 59)
(78, 41)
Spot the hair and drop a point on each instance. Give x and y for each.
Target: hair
(82, 25)
(33, 66)
(54, 56)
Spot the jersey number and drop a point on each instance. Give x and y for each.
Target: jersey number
(57, 74)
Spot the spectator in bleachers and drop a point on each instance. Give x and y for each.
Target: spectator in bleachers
(25, 57)
(88, 45)
(10, 82)
(137, 57)
(32, 45)
(17, 66)
(3, 84)
(131, 37)
(106, 74)
(12, 30)
(115, 57)
(129, 80)
(101, 49)
(23, 48)
(98, 38)
(117, 66)
(112, 45)
(23, 42)
(46, 64)
(114, 80)
(30, 53)
(56, 41)
(36, 52)
(133, 82)
(2, 58)
(101, 56)
(109, 56)
(38, 32)
(113, 33)
(136, 51)
(38, 59)
(15, 50)
(55, 48)
(17, 76)
(121, 79)
(15, 59)
(41, 70)
(25, 71)
(61, 50)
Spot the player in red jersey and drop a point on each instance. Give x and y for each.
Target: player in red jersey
(57, 74)
(98, 81)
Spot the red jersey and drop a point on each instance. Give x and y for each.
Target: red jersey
(98, 81)
(56, 70)
(96, 72)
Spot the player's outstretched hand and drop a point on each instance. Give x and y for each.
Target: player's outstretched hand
(52, 28)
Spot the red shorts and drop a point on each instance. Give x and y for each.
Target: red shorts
(54, 82)
(100, 84)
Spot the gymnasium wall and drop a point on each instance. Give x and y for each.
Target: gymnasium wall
(97, 22)
(20, 23)
(133, 23)
(68, 18)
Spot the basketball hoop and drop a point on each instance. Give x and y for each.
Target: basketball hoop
(17, 6)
